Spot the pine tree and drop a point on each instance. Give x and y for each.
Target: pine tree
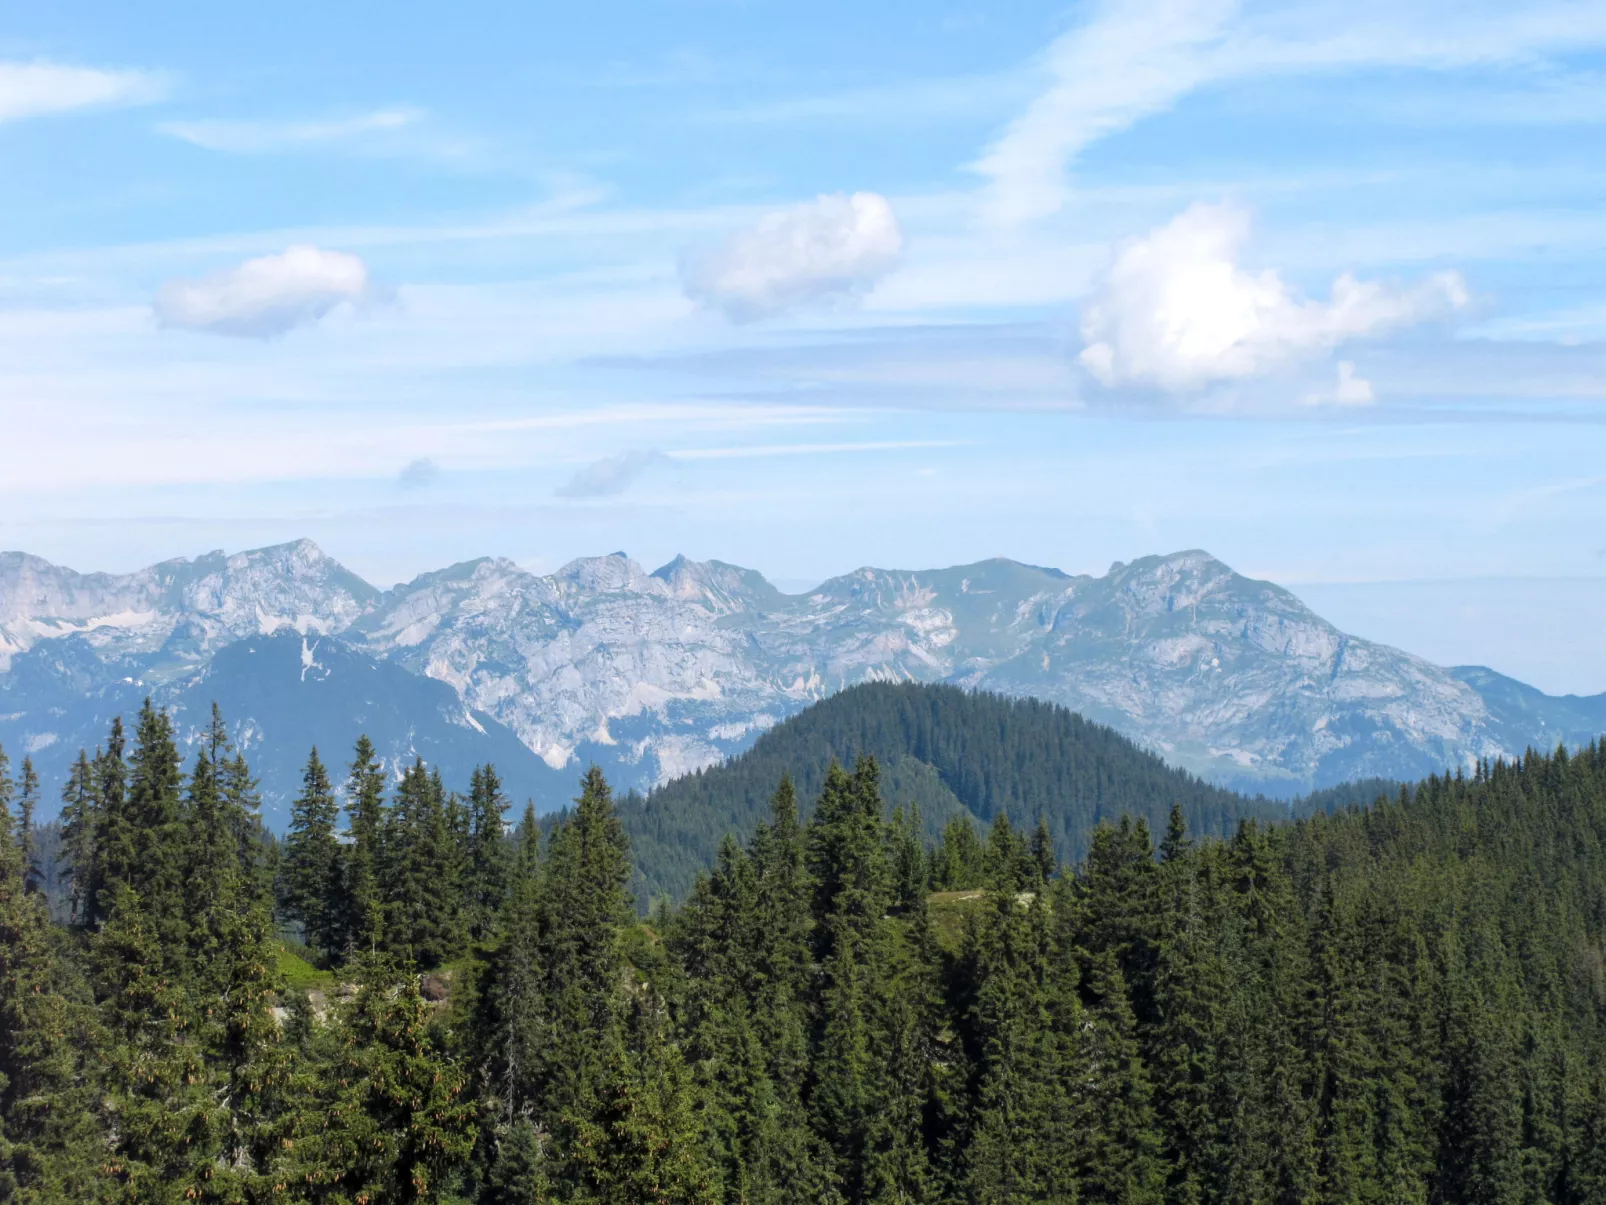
(486, 871)
(390, 1119)
(1122, 1165)
(643, 1143)
(82, 819)
(1176, 842)
(362, 906)
(1022, 1143)
(847, 860)
(910, 873)
(800, 1160)
(309, 872)
(27, 802)
(48, 1117)
(423, 913)
(584, 912)
(959, 861)
(510, 1035)
(1010, 865)
(169, 1128)
(109, 834)
(1042, 852)
(908, 1020)
(144, 840)
(549, 1024)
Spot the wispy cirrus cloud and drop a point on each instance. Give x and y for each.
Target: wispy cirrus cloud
(258, 137)
(1132, 60)
(396, 132)
(1137, 58)
(611, 475)
(37, 88)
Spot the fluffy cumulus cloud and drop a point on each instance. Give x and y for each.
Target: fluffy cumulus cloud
(830, 247)
(1178, 311)
(610, 475)
(32, 89)
(265, 296)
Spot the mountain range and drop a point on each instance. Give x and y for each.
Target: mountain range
(654, 675)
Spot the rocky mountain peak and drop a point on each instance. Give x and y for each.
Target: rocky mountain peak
(654, 674)
(611, 574)
(720, 587)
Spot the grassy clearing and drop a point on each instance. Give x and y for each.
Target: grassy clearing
(300, 975)
(949, 912)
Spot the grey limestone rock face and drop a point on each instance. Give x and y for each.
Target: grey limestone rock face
(655, 674)
(177, 614)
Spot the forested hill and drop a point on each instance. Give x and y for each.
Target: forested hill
(950, 753)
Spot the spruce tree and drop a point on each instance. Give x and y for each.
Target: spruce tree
(389, 1117)
(309, 872)
(49, 1139)
(27, 802)
(164, 1097)
(584, 911)
(1122, 1164)
(145, 841)
(847, 859)
(643, 1144)
(82, 822)
(486, 869)
(510, 1036)
(423, 913)
(782, 989)
(362, 906)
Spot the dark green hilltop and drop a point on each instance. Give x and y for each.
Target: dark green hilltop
(949, 754)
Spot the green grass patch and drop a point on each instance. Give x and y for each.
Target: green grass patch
(299, 975)
(950, 910)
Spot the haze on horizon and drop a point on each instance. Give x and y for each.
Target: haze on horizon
(1317, 288)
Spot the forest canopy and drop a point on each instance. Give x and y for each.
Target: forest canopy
(408, 999)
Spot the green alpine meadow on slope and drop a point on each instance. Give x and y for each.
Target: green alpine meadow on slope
(866, 996)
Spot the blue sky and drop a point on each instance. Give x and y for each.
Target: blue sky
(1318, 287)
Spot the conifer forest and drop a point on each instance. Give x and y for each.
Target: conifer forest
(424, 993)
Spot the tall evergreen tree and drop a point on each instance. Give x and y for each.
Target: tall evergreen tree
(486, 862)
(145, 842)
(362, 906)
(421, 884)
(82, 820)
(27, 802)
(48, 1117)
(309, 871)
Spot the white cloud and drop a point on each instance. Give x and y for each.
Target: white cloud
(834, 246)
(32, 89)
(251, 137)
(610, 475)
(1176, 309)
(265, 296)
(1349, 390)
(1132, 60)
